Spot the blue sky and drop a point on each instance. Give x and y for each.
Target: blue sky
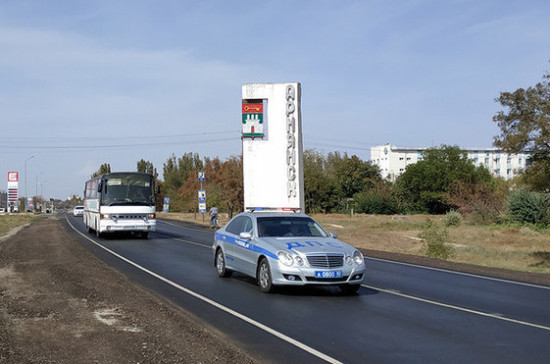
(89, 82)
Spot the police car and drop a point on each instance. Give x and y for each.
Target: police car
(286, 248)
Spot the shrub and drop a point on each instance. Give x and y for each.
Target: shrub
(529, 207)
(453, 218)
(376, 202)
(434, 238)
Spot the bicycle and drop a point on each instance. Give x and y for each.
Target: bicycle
(214, 222)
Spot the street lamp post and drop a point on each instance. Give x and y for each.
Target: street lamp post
(26, 160)
(42, 189)
(37, 177)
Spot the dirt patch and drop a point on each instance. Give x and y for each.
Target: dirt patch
(60, 304)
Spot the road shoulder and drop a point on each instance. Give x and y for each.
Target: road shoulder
(61, 304)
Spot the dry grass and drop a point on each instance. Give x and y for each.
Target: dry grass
(11, 221)
(522, 249)
(515, 248)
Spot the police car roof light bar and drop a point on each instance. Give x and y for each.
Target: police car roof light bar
(273, 209)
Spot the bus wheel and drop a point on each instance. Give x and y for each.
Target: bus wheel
(144, 234)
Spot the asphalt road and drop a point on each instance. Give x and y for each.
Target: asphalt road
(403, 312)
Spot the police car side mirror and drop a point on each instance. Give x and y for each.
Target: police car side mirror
(334, 235)
(245, 235)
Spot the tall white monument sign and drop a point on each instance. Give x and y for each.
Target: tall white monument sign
(272, 146)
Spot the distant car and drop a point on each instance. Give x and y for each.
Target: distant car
(78, 211)
(279, 248)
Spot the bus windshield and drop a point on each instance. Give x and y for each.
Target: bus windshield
(127, 189)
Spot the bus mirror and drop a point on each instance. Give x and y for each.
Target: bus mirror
(99, 186)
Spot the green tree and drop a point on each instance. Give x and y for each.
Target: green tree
(427, 183)
(525, 126)
(321, 190)
(147, 167)
(529, 207)
(378, 200)
(176, 172)
(353, 174)
(104, 168)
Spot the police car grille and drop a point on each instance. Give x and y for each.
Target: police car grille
(325, 260)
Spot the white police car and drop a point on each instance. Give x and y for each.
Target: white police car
(286, 248)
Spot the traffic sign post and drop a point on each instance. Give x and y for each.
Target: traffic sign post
(202, 194)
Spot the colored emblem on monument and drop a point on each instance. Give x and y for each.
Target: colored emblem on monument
(253, 120)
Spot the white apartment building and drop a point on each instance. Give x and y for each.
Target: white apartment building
(393, 160)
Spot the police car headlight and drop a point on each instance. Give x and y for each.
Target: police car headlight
(285, 258)
(298, 259)
(358, 257)
(349, 260)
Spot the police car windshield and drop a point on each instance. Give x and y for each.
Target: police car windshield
(289, 226)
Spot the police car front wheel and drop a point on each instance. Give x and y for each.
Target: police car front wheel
(220, 265)
(265, 280)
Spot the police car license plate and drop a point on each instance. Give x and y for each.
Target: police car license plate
(328, 274)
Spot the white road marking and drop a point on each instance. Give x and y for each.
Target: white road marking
(461, 273)
(188, 228)
(193, 243)
(497, 316)
(312, 351)
(215, 304)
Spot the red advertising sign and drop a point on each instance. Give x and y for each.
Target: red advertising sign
(253, 108)
(13, 176)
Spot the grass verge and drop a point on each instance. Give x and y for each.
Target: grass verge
(12, 221)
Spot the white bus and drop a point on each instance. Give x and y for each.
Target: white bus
(120, 201)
